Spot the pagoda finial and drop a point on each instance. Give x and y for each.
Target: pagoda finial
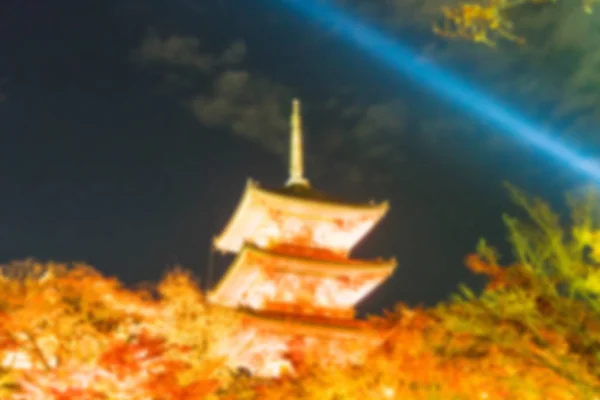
(296, 148)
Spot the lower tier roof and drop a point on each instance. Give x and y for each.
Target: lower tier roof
(258, 276)
(268, 344)
(307, 325)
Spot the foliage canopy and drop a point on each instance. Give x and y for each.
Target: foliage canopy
(488, 21)
(532, 333)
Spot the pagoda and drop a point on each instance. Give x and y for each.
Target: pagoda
(293, 278)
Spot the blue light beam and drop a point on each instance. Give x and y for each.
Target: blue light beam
(404, 60)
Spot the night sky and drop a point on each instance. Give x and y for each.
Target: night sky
(129, 129)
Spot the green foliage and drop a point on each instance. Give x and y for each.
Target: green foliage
(544, 307)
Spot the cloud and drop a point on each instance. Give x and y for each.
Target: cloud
(244, 102)
(186, 51)
(374, 131)
(381, 119)
(175, 50)
(235, 53)
(251, 106)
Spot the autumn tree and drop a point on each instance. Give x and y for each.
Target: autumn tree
(540, 314)
(70, 333)
(488, 21)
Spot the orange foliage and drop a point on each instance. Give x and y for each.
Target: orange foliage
(424, 359)
(74, 334)
(479, 23)
(488, 21)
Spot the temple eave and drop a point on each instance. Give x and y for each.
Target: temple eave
(283, 322)
(256, 204)
(324, 264)
(253, 264)
(293, 293)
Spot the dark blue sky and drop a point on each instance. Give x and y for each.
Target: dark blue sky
(101, 165)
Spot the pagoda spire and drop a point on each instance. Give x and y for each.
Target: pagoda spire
(296, 171)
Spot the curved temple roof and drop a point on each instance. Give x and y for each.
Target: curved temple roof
(260, 208)
(255, 270)
(263, 216)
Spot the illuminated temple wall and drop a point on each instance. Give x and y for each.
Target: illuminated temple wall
(335, 236)
(333, 296)
(271, 352)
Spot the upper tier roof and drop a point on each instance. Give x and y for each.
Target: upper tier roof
(265, 216)
(297, 214)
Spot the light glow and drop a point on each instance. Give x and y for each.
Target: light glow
(403, 60)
